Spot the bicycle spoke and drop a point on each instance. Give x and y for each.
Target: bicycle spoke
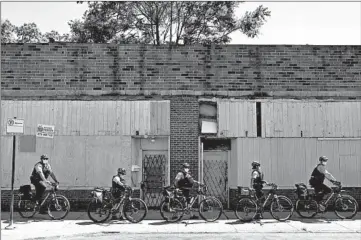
(281, 208)
(210, 209)
(135, 210)
(345, 207)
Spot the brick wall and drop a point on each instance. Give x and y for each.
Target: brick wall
(233, 70)
(184, 113)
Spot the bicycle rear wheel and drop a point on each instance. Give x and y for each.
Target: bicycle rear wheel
(26, 208)
(58, 207)
(246, 209)
(306, 208)
(281, 208)
(210, 209)
(135, 210)
(345, 207)
(98, 211)
(171, 210)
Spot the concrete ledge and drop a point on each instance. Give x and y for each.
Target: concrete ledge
(83, 94)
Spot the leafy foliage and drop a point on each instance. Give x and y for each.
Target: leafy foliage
(28, 33)
(161, 22)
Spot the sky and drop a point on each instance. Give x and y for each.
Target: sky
(314, 23)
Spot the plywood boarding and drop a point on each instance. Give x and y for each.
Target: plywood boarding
(286, 161)
(237, 118)
(89, 118)
(311, 119)
(78, 161)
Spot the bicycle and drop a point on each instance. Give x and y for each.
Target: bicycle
(176, 204)
(251, 205)
(27, 207)
(104, 204)
(308, 207)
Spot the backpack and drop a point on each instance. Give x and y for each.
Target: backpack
(302, 191)
(25, 190)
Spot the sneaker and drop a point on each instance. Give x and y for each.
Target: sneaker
(194, 217)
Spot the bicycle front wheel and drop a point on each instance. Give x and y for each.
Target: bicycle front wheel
(58, 207)
(281, 208)
(345, 207)
(98, 211)
(171, 210)
(210, 209)
(135, 210)
(26, 208)
(246, 209)
(306, 208)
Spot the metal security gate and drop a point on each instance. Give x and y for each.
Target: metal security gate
(215, 174)
(154, 177)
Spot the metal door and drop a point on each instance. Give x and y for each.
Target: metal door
(154, 177)
(215, 174)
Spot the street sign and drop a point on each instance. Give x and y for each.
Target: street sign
(14, 125)
(46, 131)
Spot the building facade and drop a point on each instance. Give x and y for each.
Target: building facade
(151, 108)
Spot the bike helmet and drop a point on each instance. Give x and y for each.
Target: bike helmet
(44, 156)
(122, 171)
(185, 165)
(255, 164)
(323, 159)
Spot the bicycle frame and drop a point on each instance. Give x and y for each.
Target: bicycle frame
(123, 200)
(271, 193)
(50, 193)
(193, 200)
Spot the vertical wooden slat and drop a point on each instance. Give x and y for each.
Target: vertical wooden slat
(118, 117)
(168, 118)
(263, 122)
(96, 113)
(358, 120)
(123, 117)
(240, 120)
(235, 116)
(148, 120)
(65, 113)
(128, 112)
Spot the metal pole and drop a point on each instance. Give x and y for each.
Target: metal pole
(11, 226)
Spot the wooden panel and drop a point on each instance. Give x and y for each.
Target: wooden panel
(104, 154)
(235, 117)
(284, 118)
(89, 118)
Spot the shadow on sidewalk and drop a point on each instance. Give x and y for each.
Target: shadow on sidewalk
(112, 222)
(322, 218)
(163, 223)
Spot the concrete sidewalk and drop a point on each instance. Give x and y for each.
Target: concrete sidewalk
(41, 227)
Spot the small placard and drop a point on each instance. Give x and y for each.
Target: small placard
(46, 131)
(14, 125)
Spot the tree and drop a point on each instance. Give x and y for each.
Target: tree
(28, 33)
(7, 32)
(56, 37)
(161, 22)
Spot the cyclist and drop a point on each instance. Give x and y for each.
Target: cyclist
(257, 183)
(118, 188)
(318, 176)
(184, 181)
(41, 171)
